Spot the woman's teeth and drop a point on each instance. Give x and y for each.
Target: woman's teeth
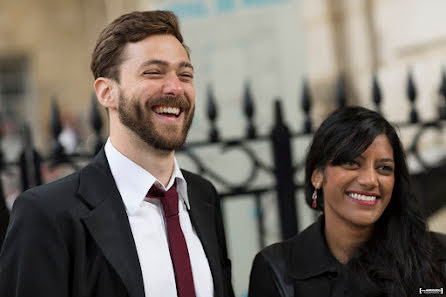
(361, 197)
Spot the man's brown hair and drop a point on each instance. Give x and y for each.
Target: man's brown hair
(132, 27)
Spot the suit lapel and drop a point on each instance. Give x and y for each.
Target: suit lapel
(108, 223)
(202, 216)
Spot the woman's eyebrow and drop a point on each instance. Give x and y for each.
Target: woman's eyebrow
(386, 160)
(379, 160)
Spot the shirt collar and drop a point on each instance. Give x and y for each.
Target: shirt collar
(133, 181)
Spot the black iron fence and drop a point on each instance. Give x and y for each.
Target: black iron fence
(283, 171)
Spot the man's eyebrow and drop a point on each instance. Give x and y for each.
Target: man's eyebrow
(152, 62)
(165, 64)
(186, 64)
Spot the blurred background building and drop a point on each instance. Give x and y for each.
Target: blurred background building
(269, 47)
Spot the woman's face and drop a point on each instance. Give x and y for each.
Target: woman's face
(359, 191)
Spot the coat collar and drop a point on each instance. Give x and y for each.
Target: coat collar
(313, 258)
(108, 223)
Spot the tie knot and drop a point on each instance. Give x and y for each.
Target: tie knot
(169, 199)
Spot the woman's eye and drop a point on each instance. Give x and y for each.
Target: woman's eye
(386, 168)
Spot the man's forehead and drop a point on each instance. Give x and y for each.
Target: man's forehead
(161, 48)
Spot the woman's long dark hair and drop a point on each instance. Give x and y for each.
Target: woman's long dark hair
(399, 256)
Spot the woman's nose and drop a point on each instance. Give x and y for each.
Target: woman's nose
(368, 177)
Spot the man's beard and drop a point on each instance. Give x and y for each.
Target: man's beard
(140, 120)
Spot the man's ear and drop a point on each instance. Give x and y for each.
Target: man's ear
(107, 92)
(317, 177)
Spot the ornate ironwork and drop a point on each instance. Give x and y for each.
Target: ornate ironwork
(283, 172)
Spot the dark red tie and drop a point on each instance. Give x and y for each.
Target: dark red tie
(177, 244)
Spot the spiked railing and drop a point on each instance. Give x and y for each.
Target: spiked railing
(285, 169)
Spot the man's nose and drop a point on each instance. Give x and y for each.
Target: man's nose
(368, 177)
(172, 85)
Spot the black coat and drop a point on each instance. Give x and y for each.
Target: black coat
(72, 238)
(303, 266)
(4, 217)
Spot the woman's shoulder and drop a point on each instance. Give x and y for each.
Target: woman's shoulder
(270, 269)
(277, 251)
(280, 262)
(438, 245)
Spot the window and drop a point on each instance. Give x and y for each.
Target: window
(13, 91)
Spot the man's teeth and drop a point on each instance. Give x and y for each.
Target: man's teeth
(169, 110)
(362, 197)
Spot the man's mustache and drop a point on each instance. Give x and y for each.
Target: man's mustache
(172, 101)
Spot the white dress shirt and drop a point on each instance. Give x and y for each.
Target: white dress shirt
(149, 227)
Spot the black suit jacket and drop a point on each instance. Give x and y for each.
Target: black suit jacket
(72, 238)
(4, 217)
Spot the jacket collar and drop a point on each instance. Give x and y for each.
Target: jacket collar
(108, 224)
(314, 257)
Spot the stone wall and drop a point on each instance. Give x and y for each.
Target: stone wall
(360, 38)
(57, 37)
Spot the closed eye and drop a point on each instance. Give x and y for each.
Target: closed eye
(152, 72)
(186, 76)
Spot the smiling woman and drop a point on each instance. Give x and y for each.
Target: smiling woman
(371, 238)
(358, 191)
